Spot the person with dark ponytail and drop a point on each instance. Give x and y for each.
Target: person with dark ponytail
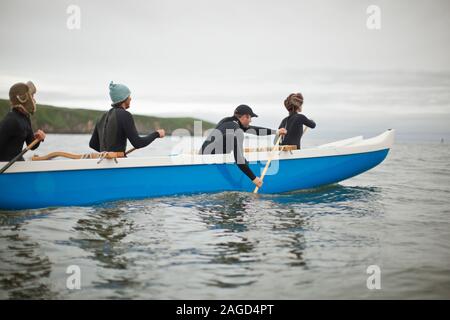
(295, 121)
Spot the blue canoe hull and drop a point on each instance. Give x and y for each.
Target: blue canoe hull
(85, 187)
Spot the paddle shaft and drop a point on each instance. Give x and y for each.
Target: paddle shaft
(304, 130)
(9, 164)
(270, 159)
(268, 162)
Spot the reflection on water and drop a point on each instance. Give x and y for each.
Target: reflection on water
(101, 233)
(24, 268)
(332, 194)
(224, 240)
(226, 214)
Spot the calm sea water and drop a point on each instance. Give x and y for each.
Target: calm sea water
(304, 245)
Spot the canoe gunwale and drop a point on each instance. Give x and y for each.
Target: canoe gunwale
(358, 146)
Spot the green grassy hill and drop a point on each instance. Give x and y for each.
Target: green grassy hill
(66, 120)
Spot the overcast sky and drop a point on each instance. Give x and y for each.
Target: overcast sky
(203, 58)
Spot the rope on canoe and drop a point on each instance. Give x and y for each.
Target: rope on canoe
(114, 155)
(102, 155)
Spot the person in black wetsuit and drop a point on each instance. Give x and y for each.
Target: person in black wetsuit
(295, 121)
(228, 136)
(15, 128)
(117, 125)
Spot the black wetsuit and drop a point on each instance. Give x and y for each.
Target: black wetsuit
(15, 129)
(232, 133)
(294, 126)
(114, 128)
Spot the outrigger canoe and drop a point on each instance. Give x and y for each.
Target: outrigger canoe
(53, 183)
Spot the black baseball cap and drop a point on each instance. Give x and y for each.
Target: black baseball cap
(245, 109)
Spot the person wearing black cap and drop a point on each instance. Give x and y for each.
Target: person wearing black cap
(228, 136)
(15, 128)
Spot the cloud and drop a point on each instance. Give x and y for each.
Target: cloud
(202, 58)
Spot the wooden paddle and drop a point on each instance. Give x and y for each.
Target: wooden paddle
(270, 159)
(29, 147)
(268, 162)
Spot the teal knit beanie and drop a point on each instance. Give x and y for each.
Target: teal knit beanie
(118, 92)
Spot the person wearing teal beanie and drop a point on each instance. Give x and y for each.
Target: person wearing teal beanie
(117, 125)
(118, 92)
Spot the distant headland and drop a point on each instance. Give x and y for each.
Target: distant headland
(53, 119)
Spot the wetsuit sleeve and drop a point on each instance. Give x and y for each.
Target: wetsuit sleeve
(129, 127)
(94, 143)
(260, 131)
(30, 138)
(282, 124)
(307, 122)
(238, 153)
(7, 127)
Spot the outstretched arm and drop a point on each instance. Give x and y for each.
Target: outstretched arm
(260, 131)
(127, 122)
(308, 122)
